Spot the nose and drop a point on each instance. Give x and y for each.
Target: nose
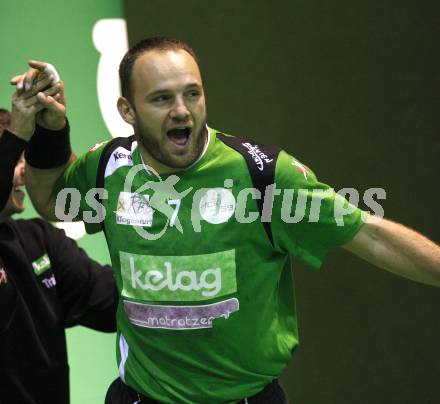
(179, 111)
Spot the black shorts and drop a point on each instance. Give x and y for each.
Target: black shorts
(120, 393)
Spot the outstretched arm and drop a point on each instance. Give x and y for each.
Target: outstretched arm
(397, 249)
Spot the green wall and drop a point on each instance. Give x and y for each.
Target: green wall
(351, 89)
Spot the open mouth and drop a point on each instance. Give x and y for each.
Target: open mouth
(179, 136)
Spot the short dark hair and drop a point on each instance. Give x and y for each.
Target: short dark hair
(5, 120)
(153, 43)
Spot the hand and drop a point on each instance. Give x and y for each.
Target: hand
(26, 105)
(53, 114)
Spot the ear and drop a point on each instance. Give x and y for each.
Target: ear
(126, 111)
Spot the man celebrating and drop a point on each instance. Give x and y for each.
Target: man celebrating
(46, 282)
(208, 311)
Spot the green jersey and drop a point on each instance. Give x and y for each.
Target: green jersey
(207, 306)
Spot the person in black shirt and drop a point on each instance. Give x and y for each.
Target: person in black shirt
(47, 284)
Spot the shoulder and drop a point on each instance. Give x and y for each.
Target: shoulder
(116, 153)
(259, 156)
(35, 225)
(85, 168)
(37, 236)
(266, 156)
(292, 172)
(93, 155)
(246, 144)
(37, 229)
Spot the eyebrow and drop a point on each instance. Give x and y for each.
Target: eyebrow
(165, 90)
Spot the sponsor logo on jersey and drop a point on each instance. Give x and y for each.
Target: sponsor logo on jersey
(41, 265)
(178, 278)
(217, 205)
(120, 157)
(259, 157)
(179, 317)
(49, 282)
(134, 209)
(301, 168)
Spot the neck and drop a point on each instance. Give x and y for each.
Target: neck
(149, 160)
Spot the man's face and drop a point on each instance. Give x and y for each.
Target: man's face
(15, 203)
(169, 107)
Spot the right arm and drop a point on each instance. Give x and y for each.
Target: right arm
(40, 184)
(47, 130)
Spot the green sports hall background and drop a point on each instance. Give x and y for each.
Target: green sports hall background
(349, 88)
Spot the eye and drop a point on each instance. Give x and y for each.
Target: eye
(161, 98)
(192, 94)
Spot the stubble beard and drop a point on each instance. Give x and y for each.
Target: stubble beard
(155, 150)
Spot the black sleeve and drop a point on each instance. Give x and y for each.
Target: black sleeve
(11, 148)
(86, 290)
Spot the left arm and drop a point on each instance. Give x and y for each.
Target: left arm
(86, 289)
(397, 249)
